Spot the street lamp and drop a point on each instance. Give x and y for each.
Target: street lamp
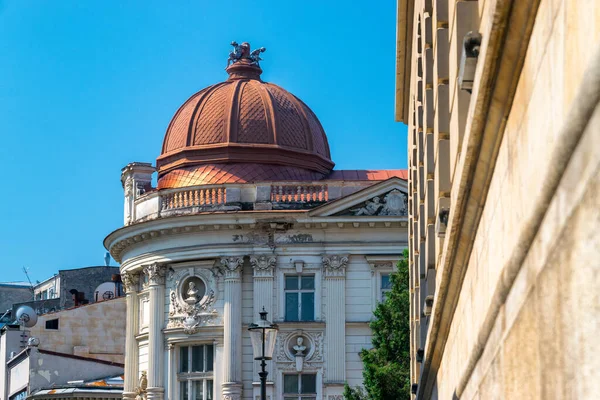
(263, 335)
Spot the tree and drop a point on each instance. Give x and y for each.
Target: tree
(386, 367)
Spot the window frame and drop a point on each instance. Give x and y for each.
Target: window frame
(192, 377)
(299, 396)
(298, 268)
(299, 291)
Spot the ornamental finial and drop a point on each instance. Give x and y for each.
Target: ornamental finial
(241, 52)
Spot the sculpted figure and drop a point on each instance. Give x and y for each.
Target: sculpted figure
(192, 294)
(299, 348)
(371, 207)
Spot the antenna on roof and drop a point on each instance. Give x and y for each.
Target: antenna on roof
(107, 259)
(26, 271)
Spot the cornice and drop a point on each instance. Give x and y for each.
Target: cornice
(121, 239)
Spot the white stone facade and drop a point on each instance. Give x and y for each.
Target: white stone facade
(316, 269)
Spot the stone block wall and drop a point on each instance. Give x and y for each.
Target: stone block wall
(84, 280)
(94, 330)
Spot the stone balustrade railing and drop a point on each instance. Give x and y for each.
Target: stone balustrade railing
(299, 193)
(193, 197)
(260, 196)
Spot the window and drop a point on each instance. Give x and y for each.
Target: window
(300, 387)
(299, 297)
(22, 395)
(196, 372)
(386, 286)
(52, 324)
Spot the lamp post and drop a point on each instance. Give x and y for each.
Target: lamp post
(263, 335)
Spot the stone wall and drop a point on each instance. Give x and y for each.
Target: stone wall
(513, 276)
(11, 295)
(94, 330)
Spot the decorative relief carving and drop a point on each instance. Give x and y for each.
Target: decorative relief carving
(335, 265)
(130, 281)
(394, 203)
(263, 265)
(232, 267)
(310, 347)
(141, 389)
(192, 298)
(155, 273)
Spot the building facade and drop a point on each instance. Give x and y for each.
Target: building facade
(501, 99)
(249, 213)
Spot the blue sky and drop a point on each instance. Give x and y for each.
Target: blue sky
(88, 86)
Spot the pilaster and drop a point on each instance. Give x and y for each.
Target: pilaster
(130, 284)
(232, 320)
(334, 270)
(156, 289)
(263, 266)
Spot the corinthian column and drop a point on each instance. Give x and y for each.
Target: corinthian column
(334, 267)
(232, 319)
(156, 289)
(130, 282)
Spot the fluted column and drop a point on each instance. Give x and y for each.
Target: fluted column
(130, 283)
(232, 319)
(263, 266)
(334, 270)
(156, 295)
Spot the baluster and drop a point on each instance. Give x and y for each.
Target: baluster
(213, 196)
(224, 195)
(219, 196)
(185, 199)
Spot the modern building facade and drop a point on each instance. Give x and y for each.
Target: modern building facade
(249, 213)
(501, 99)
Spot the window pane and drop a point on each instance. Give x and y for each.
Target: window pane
(183, 389)
(291, 282)
(197, 358)
(309, 383)
(308, 306)
(198, 390)
(291, 306)
(209, 357)
(308, 282)
(385, 282)
(183, 359)
(290, 384)
(209, 389)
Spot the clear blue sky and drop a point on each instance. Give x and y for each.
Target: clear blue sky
(88, 86)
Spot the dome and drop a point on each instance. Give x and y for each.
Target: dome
(243, 130)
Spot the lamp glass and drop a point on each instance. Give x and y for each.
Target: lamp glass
(270, 338)
(256, 338)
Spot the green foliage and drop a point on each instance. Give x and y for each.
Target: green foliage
(387, 365)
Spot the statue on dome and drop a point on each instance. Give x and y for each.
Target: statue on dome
(242, 51)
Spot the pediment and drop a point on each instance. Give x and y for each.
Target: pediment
(384, 199)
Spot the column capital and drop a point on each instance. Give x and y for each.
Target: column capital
(232, 266)
(156, 273)
(334, 265)
(263, 265)
(130, 281)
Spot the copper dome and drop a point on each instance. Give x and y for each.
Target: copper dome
(243, 121)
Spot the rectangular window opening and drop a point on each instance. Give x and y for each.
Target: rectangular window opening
(299, 298)
(52, 324)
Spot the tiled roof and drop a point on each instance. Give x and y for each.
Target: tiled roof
(367, 174)
(215, 174)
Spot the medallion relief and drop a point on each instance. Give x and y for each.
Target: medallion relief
(192, 293)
